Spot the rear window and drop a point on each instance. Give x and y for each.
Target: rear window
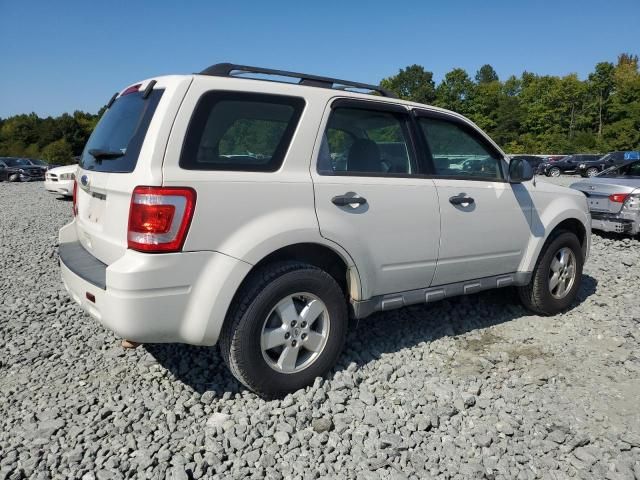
(240, 131)
(121, 129)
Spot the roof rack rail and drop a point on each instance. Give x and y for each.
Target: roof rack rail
(230, 70)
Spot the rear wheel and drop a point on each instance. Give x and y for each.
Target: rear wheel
(553, 172)
(14, 177)
(286, 327)
(556, 277)
(592, 171)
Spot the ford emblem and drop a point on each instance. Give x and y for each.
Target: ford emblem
(84, 181)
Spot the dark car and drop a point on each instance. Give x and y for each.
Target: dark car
(533, 160)
(553, 158)
(612, 159)
(20, 170)
(568, 164)
(42, 163)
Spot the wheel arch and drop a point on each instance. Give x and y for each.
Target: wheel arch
(335, 262)
(571, 220)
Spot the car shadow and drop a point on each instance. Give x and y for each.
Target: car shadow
(202, 368)
(64, 199)
(612, 235)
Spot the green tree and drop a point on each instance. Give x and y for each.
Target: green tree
(454, 91)
(58, 152)
(486, 74)
(412, 83)
(601, 84)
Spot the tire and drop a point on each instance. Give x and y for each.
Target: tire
(537, 295)
(253, 310)
(590, 172)
(553, 172)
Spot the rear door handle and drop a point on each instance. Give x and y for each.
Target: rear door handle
(460, 199)
(344, 200)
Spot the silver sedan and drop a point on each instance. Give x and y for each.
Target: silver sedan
(614, 198)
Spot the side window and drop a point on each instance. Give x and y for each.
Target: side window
(633, 170)
(363, 142)
(458, 152)
(240, 131)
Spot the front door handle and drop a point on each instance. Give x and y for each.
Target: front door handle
(344, 200)
(460, 199)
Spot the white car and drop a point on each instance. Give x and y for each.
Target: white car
(60, 180)
(261, 215)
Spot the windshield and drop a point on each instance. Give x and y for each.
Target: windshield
(629, 170)
(17, 162)
(38, 162)
(115, 143)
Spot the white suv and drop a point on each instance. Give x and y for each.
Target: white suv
(263, 214)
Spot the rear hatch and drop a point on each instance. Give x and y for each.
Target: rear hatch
(599, 192)
(126, 149)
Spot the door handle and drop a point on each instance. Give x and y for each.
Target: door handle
(460, 199)
(344, 200)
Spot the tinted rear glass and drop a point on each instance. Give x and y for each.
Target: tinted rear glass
(240, 131)
(121, 129)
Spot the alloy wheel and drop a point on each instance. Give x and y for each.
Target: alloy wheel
(295, 333)
(562, 273)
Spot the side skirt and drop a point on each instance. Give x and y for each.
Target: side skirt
(364, 308)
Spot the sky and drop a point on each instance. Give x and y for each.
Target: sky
(65, 55)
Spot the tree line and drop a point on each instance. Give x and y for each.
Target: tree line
(530, 113)
(538, 113)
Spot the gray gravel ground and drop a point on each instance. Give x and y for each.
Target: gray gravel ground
(468, 388)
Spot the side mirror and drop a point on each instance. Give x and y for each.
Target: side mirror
(520, 171)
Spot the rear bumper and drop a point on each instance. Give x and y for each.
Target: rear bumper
(64, 187)
(614, 223)
(153, 298)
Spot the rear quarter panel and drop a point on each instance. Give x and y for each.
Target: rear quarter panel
(248, 215)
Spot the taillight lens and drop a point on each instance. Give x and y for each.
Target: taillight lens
(159, 218)
(618, 197)
(131, 89)
(75, 198)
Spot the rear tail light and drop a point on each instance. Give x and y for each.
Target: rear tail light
(618, 197)
(75, 198)
(159, 218)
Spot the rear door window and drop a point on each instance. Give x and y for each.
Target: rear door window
(240, 131)
(365, 141)
(120, 132)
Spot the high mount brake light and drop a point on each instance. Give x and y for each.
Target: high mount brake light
(131, 89)
(618, 197)
(159, 218)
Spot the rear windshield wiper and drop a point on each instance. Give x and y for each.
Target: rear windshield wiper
(100, 154)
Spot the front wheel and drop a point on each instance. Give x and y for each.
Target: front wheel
(557, 276)
(553, 172)
(286, 327)
(14, 178)
(591, 172)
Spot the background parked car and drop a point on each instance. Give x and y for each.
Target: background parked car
(60, 180)
(589, 169)
(553, 158)
(42, 163)
(20, 170)
(614, 198)
(534, 160)
(568, 164)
